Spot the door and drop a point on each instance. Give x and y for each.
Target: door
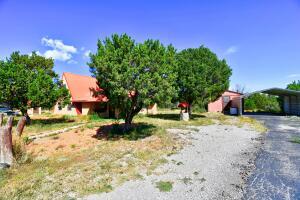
(78, 107)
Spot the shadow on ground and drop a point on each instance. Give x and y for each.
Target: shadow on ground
(118, 131)
(174, 116)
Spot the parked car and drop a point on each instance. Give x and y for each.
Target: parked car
(8, 112)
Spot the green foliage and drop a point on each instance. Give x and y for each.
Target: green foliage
(202, 77)
(295, 85)
(263, 102)
(295, 139)
(29, 81)
(133, 75)
(164, 186)
(96, 117)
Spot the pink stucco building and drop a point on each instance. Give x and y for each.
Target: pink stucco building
(228, 100)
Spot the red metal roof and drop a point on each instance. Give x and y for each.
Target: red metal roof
(183, 105)
(83, 88)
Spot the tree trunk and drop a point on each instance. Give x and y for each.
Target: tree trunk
(28, 120)
(190, 109)
(9, 123)
(130, 115)
(25, 114)
(6, 154)
(20, 126)
(1, 119)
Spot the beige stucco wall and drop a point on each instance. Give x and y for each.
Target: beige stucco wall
(64, 110)
(34, 111)
(87, 108)
(151, 110)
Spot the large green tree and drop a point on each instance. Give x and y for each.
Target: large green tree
(202, 77)
(295, 85)
(29, 81)
(133, 75)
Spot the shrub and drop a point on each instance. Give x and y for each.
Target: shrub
(164, 186)
(96, 117)
(19, 152)
(263, 102)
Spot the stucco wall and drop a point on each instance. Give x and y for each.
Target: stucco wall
(217, 106)
(64, 110)
(34, 111)
(151, 110)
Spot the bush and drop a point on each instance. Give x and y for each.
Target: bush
(19, 152)
(96, 117)
(263, 102)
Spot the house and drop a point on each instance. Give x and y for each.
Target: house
(229, 102)
(84, 100)
(150, 110)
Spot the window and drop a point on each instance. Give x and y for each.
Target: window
(59, 106)
(226, 99)
(70, 106)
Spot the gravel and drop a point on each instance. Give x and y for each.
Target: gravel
(214, 164)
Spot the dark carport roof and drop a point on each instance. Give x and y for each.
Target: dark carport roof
(278, 92)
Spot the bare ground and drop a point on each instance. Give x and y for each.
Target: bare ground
(214, 164)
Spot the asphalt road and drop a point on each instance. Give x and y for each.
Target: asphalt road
(277, 173)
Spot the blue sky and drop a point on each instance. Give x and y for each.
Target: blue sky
(260, 39)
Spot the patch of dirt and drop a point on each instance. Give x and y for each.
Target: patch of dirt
(68, 142)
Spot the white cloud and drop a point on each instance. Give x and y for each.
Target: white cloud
(293, 75)
(72, 62)
(231, 50)
(59, 51)
(58, 44)
(86, 54)
(58, 55)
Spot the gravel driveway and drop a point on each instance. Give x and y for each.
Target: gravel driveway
(213, 165)
(277, 174)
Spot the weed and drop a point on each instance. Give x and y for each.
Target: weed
(186, 180)
(55, 137)
(295, 139)
(90, 126)
(179, 163)
(60, 147)
(164, 186)
(27, 140)
(73, 146)
(202, 180)
(96, 117)
(196, 173)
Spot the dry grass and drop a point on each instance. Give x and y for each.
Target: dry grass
(76, 163)
(61, 171)
(239, 121)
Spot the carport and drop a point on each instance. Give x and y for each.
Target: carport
(291, 99)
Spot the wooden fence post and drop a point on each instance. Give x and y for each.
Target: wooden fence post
(1, 119)
(6, 154)
(21, 125)
(9, 123)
